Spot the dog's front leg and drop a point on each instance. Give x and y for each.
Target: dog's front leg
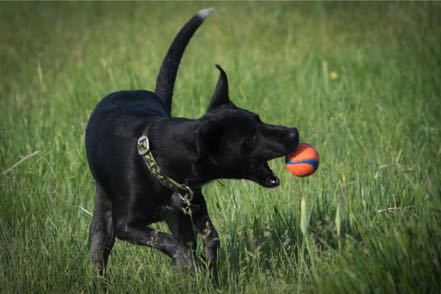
(181, 227)
(204, 226)
(210, 240)
(164, 242)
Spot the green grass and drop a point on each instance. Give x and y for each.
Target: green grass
(377, 127)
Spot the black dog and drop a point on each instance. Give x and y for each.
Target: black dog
(150, 167)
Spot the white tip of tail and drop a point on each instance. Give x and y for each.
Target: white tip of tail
(204, 12)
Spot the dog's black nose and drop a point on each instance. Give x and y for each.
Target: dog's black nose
(292, 140)
(293, 135)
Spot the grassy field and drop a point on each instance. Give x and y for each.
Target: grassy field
(362, 82)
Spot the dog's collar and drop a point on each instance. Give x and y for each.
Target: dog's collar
(146, 153)
(184, 191)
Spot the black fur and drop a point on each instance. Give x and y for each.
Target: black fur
(165, 81)
(226, 142)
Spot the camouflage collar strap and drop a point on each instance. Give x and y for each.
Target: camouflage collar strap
(145, 152)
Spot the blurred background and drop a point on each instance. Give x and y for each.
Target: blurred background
(361, 82)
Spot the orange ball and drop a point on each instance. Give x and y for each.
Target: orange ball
(304, 161)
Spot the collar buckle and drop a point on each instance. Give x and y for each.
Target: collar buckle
(143, 145)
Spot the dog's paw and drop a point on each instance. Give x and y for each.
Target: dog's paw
(183, 260)
(187, 264)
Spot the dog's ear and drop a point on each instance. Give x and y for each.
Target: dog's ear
(208, 138)
(220, 96)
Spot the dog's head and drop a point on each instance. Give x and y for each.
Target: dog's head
(234, 143)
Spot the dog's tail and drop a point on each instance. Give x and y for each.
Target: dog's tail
(165, 81)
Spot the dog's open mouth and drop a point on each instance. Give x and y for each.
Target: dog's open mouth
(264, 176)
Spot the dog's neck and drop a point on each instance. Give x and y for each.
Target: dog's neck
(172, 143)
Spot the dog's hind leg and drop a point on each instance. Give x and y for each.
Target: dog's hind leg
(101, 231)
